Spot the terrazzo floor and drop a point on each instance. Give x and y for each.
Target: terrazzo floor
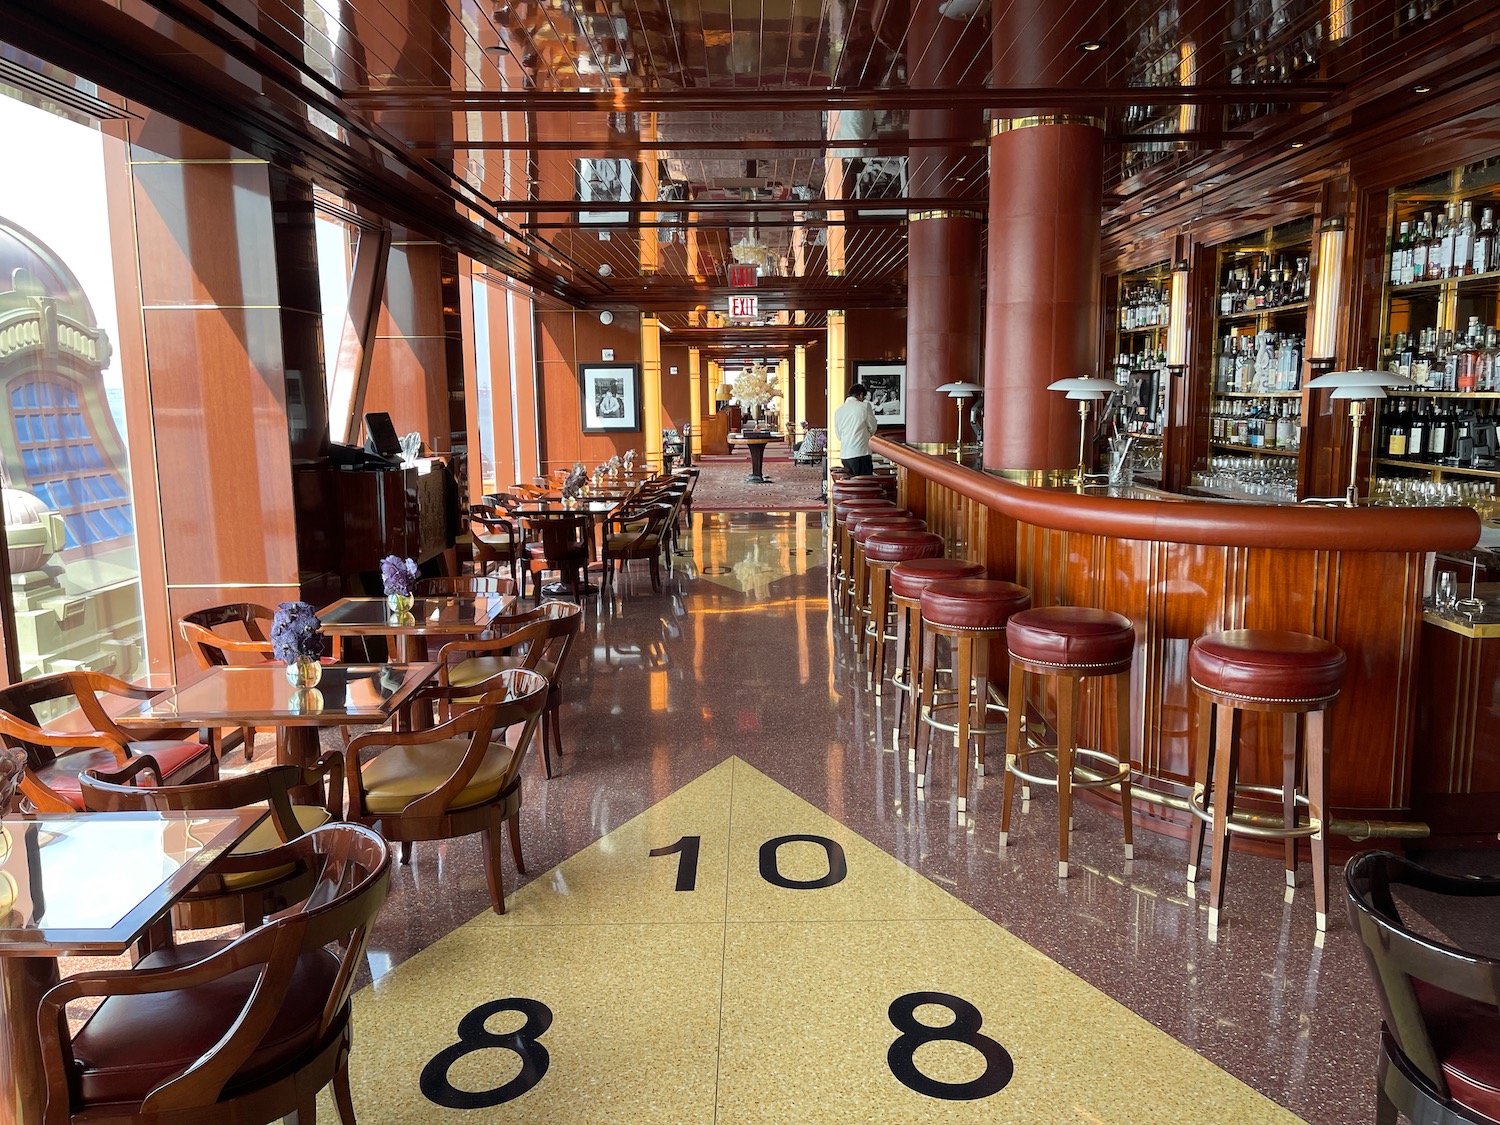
(727, 714)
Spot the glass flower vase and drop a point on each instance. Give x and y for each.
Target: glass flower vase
(304, 673)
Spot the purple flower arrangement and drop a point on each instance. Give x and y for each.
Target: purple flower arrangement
(296, 633)
(398, 575)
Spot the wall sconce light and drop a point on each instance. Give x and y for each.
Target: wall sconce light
(1324, 341)
(1177, 320)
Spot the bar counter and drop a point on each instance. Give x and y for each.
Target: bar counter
(1182, 568)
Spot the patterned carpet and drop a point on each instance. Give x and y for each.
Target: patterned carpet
(722, 486)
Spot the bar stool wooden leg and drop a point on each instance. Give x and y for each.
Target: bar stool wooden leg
(924, 703)
(903, 661)
(1015, 701)
(1122, 730)
(981, 649)
(1067, 698)
(1226, 769)
(1291, 730)
(880, 587)
(1201, 777)
(1317, 770)
(963, 672)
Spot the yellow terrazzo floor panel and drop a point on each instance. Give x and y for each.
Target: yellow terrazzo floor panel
(766, 965)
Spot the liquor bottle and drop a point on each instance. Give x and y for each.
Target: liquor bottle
(1271, 428)
(1421, 247)
(1489, 355)
(1440, 441)
(1400, 251)
(1447, 361)
(1483, 258)
(1463, 242)
(1396, 441)
(1468, 358)
(1421, 361)
(1416, 434)
(1441, 265)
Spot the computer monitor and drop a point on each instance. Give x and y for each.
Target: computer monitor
(380, 435)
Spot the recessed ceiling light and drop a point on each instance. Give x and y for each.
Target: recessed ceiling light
(1090, 45)
(1421, 89)
(1298, 144)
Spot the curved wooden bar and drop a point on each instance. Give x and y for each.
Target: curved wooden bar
(1183, 568)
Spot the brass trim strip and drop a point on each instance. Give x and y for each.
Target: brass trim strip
(1010, 124)
(917, 216)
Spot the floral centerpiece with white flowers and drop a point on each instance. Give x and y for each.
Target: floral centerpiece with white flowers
(755, 389)
(399, 578)
(572, 487)
(297, 641)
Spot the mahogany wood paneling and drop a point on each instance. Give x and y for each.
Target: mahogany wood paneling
(1456, 780)
(221, 443)
(1063, 549)
(564, 340)
(676, 390)
(408, 379)
(202, 234)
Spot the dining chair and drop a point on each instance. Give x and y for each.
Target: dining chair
(236, 633)
(541, 640)
(1440, 1005)
(465, 586)
(243, 897)
(560, 543)
(498, 540)
(227, 1032)
(57, 754)
(454, 779)
(637, 533)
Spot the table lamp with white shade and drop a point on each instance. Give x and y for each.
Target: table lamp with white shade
(960, 392)
(1357, 387)
(1085, 390)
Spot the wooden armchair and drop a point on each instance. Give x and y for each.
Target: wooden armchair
(545, 638)
(455, 779)
(227, 1032)
(241, 897)
(560, 543)
(465, 586)
(497, 540)
(1440, 1005)
(230, 634)
(57, 756)
(637, 533)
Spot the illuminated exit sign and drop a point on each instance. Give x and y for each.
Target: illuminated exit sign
(741, 276)
(744, 306)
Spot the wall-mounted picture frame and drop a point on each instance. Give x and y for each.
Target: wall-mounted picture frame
(610, 397)
(886, 383)
(605, 180)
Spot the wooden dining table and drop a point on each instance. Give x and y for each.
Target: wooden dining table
(85, 884)
(259, 695)
(444, 618)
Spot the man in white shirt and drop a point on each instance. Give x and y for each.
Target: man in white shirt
(855, 424)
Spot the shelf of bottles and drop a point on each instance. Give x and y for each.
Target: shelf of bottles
(1442, 328)
(1270, 42)
(1157, 58)
(1260, 326)
(1141, 354)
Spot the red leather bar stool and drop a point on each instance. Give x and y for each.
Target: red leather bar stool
(969, 613)
(861, 527)
(908, 580)
(1070, 644)
(883, 551)
(839, 567)
(1283, 673)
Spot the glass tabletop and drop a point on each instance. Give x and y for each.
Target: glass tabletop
(456, 615)
(92, 882)
(557, 508)
(259, 694)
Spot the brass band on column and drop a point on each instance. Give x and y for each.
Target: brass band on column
(1010, 124)
(915, 216)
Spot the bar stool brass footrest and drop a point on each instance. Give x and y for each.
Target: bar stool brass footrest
(1104, 781)
(1299, 831)
(952, 728)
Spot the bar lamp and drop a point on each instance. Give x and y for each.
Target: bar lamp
(1084, 390)
(1357, 388)
(960, 393)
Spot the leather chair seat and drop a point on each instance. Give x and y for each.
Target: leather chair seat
(477, 669)
(623, 541)
(859, 515)
(1466, 1036)
(1267, 665)
(973, 603)
(1072, 636)
(901, 545)
(61, 776)
(132, 1044)
(870, 526)
(263, 838)
(844, 508)
(398, 775)
(910, 578)
(499, 544)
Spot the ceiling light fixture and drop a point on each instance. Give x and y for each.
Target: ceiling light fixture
(1423, 89)
(1090, 45)
(1298, 144)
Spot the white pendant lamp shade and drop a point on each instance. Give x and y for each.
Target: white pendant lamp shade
(1085, 387)
(1359, 378)
(1358, 392)
(961, 389)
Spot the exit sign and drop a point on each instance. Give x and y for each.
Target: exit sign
(744, 306)
(741, 276)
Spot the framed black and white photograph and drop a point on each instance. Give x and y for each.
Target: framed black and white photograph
(605, 180)
(611, 397)
(886, 383)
